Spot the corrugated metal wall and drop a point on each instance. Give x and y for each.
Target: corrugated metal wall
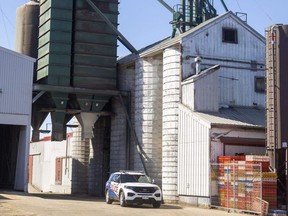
(237, 72)
(16, 76)
(193, 155)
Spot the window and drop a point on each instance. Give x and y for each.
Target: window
(229, 35)
(58, 171)
(260, 84)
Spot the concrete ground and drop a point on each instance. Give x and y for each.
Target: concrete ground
(43, 204)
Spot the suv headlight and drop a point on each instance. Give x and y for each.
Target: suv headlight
(129, 187)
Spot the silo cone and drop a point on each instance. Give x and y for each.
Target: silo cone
(37, 120)
(58, 117)
(87, 121)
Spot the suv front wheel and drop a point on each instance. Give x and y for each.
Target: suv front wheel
(107, 197)
(122, 199)
(156, 205)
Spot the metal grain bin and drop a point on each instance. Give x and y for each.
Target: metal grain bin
(54, 51)
(94, 45)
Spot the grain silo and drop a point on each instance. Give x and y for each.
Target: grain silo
(27, 21)
(76, 63)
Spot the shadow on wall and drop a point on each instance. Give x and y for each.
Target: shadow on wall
(91, 162)
(79, 178)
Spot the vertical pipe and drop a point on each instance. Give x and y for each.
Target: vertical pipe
(190, 13)
(128, 141)
(184, 15)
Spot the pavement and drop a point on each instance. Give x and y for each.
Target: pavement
(48, 204)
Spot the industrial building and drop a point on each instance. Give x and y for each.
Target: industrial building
(195, 97)
(16, 82)
(169, 109)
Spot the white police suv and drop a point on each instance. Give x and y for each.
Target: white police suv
(130, 187)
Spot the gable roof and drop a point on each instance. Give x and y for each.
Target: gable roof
(168, 42)
(252, 117)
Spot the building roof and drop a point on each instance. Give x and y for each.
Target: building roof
(202, 74)
(11, 52)
(168, 42)
(236, 116)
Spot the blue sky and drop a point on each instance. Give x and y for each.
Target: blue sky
(143, 22)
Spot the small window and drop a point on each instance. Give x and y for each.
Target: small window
(260, 85)
(229, 35)
(58, 171)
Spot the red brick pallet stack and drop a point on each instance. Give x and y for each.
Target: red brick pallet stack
(226, 187)
(241, 183)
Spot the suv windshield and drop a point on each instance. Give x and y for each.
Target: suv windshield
(134, 178)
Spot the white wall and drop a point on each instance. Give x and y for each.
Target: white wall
(44, 157)
(193, 155)
(236, 79)
(201, 92)
(16, 80)
(148, 114)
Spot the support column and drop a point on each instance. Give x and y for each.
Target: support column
(171, 99)
(80, 163)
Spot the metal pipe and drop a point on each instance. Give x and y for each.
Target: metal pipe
(184, 15)
(167, 6)
(224, 5)
(37, 96)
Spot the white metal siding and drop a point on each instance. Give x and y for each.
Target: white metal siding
(236, 79)
(188, 95)
(16, 78)
(202, 94)
(193, 155)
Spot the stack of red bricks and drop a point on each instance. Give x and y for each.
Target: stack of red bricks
(241, 182)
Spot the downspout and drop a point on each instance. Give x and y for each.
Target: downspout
(128, 140)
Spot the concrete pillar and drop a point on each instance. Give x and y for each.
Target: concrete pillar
(118, 153)
(122, 144)
(148, 114)
(99, 157)
(171, 99)
(80, 163)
